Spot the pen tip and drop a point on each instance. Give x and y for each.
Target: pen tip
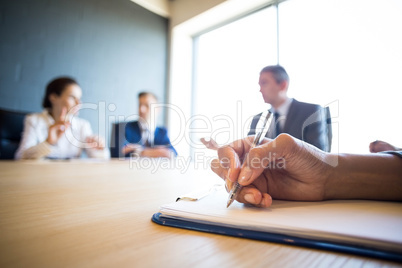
(230, 201)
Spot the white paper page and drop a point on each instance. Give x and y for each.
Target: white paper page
(356, 221)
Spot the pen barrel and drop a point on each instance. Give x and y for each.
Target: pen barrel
(235, 190)
(257, 139)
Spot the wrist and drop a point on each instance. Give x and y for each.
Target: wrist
(50, 141)
(370, 176)
(137, 152)
(334, 175)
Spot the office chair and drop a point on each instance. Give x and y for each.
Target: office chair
(11, 127)
(117, 139)
(329, 127)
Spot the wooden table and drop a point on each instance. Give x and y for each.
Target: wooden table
(98, 214)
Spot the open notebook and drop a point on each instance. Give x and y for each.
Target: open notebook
(367, 228)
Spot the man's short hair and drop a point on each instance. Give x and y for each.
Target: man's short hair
(278, 72)
(146, 93)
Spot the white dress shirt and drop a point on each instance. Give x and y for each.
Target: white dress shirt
(147, 133)
(70, 145)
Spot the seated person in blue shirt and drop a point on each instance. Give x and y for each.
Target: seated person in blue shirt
(142, 137)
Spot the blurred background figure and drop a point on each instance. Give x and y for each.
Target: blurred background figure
(143, 137)
(305, 121)
(58, 132)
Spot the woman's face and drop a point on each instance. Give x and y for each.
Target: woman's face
(69, 98)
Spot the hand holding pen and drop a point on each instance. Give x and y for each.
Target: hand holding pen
(290, 169)
(234, 192)
(211, 144)
(284, 168)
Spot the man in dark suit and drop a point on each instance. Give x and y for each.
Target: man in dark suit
(141, 138)
(305, 121)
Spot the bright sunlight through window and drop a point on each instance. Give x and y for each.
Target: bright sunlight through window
(339, 53)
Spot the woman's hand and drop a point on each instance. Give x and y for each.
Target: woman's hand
(132, 147)
(58, 128)
(284, 168)
(96, 142)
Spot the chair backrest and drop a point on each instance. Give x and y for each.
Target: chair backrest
(329, 127)
(11, 127)
(117, 139)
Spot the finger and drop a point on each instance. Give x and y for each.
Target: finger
(61, 127)
(89, 139)
(101, 142)
(371, 147)
(229, 185)
(251, 195)
(93, 142)
(261, 156)
(230, 158)
(230, 162)
(127, 149)
(63, 114)
(266, 201)
(211, 144)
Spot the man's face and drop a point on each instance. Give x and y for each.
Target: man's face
(144, 108)
(269, 88)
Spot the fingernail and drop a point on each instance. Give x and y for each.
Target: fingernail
(249, 198)
(245, 175)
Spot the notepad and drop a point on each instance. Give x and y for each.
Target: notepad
(355, 226)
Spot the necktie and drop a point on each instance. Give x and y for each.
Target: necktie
(278, 129)
(146, 137)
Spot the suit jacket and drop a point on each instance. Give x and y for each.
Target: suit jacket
(305, 121)
(132, 134)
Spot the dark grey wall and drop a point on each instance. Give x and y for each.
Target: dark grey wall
(113, 48)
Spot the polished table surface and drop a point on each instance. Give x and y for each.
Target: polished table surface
(98, 214)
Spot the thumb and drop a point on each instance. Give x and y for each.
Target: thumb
(258, 159)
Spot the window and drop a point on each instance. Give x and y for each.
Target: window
(228, 61)
(338, 53)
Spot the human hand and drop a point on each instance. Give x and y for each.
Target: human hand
(381, 146)
(158, 151)
(211, 144)
(58, 128)
(285, 168)
(96, 142)
(131, 147)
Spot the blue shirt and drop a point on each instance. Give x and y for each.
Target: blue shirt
(133, 134)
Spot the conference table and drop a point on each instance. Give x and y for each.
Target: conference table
(89, 213)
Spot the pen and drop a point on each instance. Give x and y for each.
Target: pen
(257, 139)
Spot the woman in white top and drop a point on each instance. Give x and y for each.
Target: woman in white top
(57, 132)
